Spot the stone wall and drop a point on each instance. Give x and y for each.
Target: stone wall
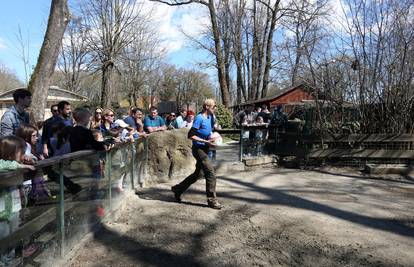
(169, 156)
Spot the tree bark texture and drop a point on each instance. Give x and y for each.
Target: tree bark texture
(106, 91)
(40, 80)
(221, 68)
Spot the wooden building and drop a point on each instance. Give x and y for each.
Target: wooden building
(55, 95)
(293, 94)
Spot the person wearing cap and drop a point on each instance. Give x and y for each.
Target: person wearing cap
(125, 130)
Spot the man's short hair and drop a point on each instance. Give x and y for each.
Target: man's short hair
(208, 102)
(133, 111)
(81, 113)
(20, 93)
(153, 108)
(52, 106)
(61, 105)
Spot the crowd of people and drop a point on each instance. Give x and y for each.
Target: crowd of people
(254, 138)
(23, 143)
(66, 131)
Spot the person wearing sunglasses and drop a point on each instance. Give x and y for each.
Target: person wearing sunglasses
(97, 118)
(199, 133)
(107, 123)
(171, 121)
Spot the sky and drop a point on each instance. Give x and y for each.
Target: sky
(31, 16)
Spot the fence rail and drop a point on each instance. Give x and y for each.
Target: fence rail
(272, 140)
(54, 224)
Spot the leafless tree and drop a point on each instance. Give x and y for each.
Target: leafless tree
(24, 52)
(380, 36)
(74, 57)
(217, 39)
(111, 25)
(185, 86)
(305, 24)
(141, 60)
(8, 79)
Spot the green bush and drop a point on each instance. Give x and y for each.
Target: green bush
(224, 117)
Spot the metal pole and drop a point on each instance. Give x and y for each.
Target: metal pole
(241, 145)
(61, 211)
(109, 163)
(133, 154)
(146, 162)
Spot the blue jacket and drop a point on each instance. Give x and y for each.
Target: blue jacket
(11, 120)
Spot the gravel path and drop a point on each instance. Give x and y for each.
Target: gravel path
(272, 217)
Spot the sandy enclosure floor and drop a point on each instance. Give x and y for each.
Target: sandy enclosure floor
(272, 217)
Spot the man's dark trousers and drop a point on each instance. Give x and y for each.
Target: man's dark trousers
(203, 166)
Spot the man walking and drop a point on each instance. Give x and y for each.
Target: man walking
(16, 114)
(200, 132)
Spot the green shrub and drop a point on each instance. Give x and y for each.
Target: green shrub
(224, 117)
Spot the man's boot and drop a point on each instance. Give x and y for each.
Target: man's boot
(214, 204)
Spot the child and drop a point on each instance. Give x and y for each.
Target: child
(11, 155)
(38, 189)
(260, 135)
(125, 132)
(59, 142)
(81, 136)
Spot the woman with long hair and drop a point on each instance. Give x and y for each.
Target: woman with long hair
(107, 122)
(97, 118)
(38, 189)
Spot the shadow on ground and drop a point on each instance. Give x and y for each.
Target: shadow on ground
(140, 252)
(403, 227)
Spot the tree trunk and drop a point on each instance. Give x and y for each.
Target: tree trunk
(106, 85)
(269, 49)
(225, 94)
(40, 80)
(254, 60)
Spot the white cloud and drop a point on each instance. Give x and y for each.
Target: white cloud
(2, 44)
(173, 21)
(338, 20)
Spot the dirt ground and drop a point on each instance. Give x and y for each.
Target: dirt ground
(272, 217)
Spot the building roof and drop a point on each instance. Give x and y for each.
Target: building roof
(275, 96)
(322, 102)
(55, 94)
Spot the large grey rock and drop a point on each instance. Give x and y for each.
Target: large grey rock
(169, 156)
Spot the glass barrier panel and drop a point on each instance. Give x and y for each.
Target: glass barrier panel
(256, 141)
(46, 212)
(29, 212)
(86, 201)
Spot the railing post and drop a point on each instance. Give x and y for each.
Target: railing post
(241, 145)
(141, 183)
(61, 211)
(133, 154)
(109, 169)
